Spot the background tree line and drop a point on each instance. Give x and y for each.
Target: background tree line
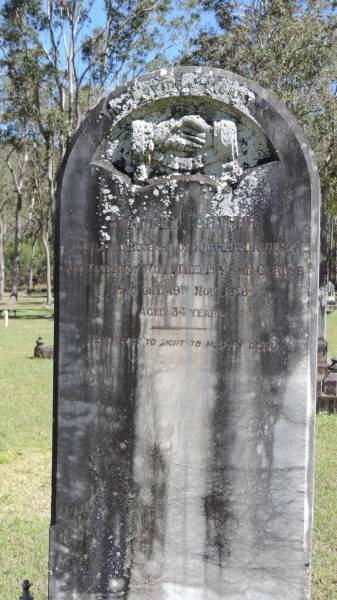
(59, 57)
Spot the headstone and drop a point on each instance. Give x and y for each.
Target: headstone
(330, 384)
(186, 346)
(328, 398)
(331, 297)
(322, 350)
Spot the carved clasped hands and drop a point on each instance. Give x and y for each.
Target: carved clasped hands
(188, 135)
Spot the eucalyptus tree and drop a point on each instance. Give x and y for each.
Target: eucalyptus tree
(56, 66)
(7, 201)
(59, 62)
(17, 161)
(58, 56)
(3, 230)
(41, 221)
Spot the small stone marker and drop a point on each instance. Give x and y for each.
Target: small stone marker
(328, 397)
(186, 346)
(41, 350)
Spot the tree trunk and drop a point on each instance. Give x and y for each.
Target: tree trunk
(47, 253)
(16, 253)
(323, 267)
(334, 251)
(51, 183)
(18, 174)
(2, 256)
(31, 263)
(330, 247)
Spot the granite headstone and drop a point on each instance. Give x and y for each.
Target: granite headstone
(186, 342)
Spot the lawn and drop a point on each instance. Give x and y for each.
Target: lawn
(25, 451)
(324, 579)
(324, 576)
(331, 327)
(25, 454)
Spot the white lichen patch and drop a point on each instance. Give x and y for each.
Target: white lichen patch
(179, 84)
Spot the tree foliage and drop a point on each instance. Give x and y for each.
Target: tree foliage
(57, 59)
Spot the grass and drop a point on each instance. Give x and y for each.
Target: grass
(25, 456)
(324, 575)
(331, 328)
(25, 459)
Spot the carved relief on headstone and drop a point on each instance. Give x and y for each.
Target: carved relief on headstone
(167, 142)
(186, 347)
(171, 139)
(219, 146)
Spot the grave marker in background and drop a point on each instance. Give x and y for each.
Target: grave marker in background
(331, 297)
(186, 346)
(322, 350)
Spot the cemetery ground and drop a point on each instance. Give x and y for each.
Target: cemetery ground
(25, 461)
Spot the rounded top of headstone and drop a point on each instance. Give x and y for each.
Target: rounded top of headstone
(179, 125)
(152, 110)
(197, 121)
(244, 96)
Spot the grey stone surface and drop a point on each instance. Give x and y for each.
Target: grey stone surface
(186, 346)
